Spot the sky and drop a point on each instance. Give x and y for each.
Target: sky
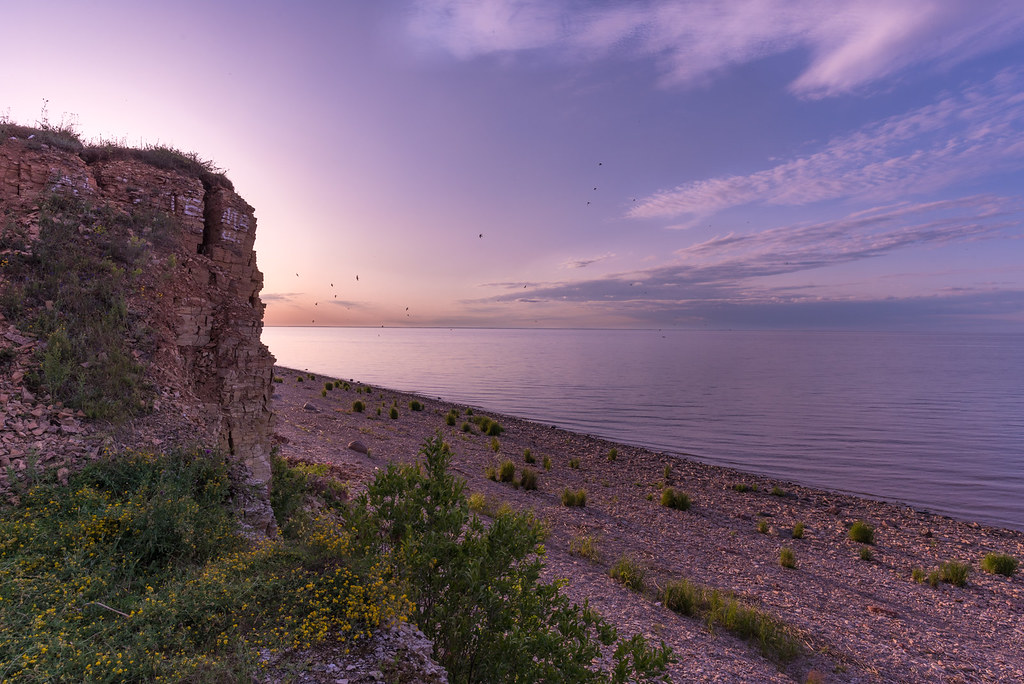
(721, 164)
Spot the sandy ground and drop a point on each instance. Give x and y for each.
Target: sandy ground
(858, 620)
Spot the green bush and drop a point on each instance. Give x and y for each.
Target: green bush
(613, 454)
(487, 598)
(670, 498)
(999, 564)
(528, 456)
(506, 472)
(954, 573)
(743, 487)
(628, 572)
(466, 427)
(862, 533)
(778, 491)
(495, 445)
(415, 405)
(450, 419)
(528, 479)
(762, 526)
(918, 575)
(358, 406)
(577, 498)
(329, 386)
(787, 558)
(393, 413)
(866, 554)
(547, 463)
(574, 463)
(798, 530)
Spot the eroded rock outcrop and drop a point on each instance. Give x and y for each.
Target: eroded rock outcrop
(196, 293)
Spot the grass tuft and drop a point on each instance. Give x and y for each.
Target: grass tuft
(787, 558)
(528, 480)
(999, 564)
(798, 530)
(670, 498)
(571, 498)
(628, 572)
(862, 533)
(585, 546)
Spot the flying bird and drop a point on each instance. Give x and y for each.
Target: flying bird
(481, 234)
(357, 277)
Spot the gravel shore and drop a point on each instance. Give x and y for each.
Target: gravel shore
(858, 620)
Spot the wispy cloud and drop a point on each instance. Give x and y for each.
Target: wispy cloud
(583, 263)
(963, 136)
(280, 296)
(725, 270)
(849, 44)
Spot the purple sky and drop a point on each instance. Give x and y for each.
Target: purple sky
(727, 164)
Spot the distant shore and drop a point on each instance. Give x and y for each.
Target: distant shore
(859, 619)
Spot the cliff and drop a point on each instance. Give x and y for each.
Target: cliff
(130, 313)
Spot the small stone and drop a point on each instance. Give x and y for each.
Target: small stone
(310, 407)
(358, 447)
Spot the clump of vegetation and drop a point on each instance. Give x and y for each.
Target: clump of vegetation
(487, 426)
(774, 638)
(798, 530)
(495, 445)
(477, 503)
(329, 386)
(787, 558)
(415, 405)
(762, 526)
(490, 598)
(571, 498)
(278, 378)
(954, 573)
(547, 462)
(778, 491)
(506, 472)
(670, 498)
(72, 290)
(667, 474)
(528, 480)
(918, 575)
(299, 379)
(862, 533)
(630, 573)
(135, 571)
(466, 427)
(162, 157)
(323, 393)
(613, 454)
(450, 419)
(393, 413)
(585, 546)
(866, 554)
(574, 463)
(358, 406)
(743, 487)
(528, 456)
(999, 564)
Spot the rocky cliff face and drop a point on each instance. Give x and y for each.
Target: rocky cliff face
(183, 250)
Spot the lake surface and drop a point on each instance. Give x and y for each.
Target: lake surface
(935, 421)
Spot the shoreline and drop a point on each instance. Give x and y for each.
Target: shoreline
(859, 620)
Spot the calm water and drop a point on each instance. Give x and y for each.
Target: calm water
(934, 421)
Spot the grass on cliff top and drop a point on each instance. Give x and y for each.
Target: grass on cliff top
(134, 571)
(64, 137)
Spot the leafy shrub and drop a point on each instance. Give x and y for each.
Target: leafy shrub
(798, 530)
(862, 533)
(528, 479)
(495, 445)
(762, 526)
(528, 456)
(323, 393)
(299, 379)
(572, 498)
(670, 498)
(866, 554)
(613, 453)
(488, 599)
(393, 413)
(999, 564)
(628, 572)
(787, 558)
(778, 491)
(358, 406)
(329, 386)
(278, 378)
(477, 502)
(743, 487)
(415, 405)
(466, 427)
(574, 463)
